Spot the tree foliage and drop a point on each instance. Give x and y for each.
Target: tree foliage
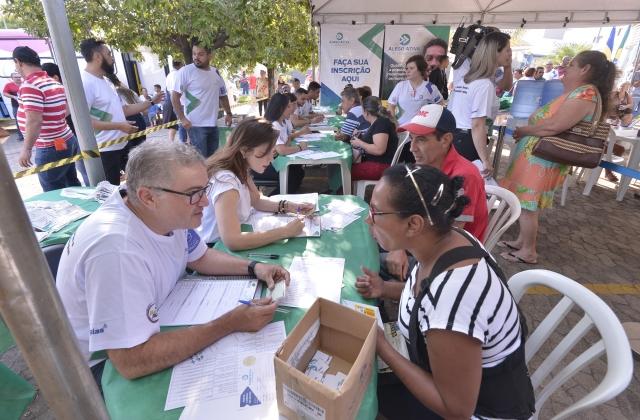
(242, 32)
(563, 50)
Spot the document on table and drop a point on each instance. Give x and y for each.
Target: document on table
(314, 155)
(257, 400)
(263, 221)
(337, 221)
(311, 137)
(197, 300)
(314, 277)
(298, 198)
(218, 372)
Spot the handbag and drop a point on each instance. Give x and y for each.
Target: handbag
(582, 145)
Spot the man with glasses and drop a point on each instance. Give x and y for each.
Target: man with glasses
(108, 113)
(125, 259)
(431, 132)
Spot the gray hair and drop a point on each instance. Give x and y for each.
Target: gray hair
(485, 58)
(153, 163)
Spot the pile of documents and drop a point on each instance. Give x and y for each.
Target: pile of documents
(317, 370)
(48, 217)
(264, 221)
(314, 155)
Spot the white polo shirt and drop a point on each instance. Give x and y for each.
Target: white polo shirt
(115, 273)
(201, 91)
(473, 100)
(409, 101)
(104, 105)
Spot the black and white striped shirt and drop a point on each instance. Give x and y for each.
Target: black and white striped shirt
(471, 300)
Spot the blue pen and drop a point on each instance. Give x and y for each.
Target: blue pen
(246, 302)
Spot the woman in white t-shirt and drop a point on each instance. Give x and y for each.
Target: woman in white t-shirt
(474, 98)
(464, 333)
(233, 194)
(410, 95)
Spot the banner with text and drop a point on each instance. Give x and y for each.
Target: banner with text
(400, 43)
(349, 54)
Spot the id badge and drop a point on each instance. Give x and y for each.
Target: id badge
(60, 144)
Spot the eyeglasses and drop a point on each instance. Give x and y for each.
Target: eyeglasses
(194, 196)
(373, 213)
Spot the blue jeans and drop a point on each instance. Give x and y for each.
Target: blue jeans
(63, 176)
(205, 139)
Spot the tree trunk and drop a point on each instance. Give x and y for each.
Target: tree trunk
(271, 77)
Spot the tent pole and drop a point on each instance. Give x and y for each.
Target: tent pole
(65, 55)
(31, 308)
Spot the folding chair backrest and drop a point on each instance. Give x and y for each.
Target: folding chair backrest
(504, 209)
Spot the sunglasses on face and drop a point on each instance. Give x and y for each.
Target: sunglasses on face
(194, 196)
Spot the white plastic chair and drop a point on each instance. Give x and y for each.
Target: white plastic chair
(504, 209)
(613, 343)
(361, 186)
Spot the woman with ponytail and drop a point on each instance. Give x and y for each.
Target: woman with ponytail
(465, 336)
(375, 148)
(588, 80)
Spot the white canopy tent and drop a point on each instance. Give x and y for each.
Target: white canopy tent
(501, 13)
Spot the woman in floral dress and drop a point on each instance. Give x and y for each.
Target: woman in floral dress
(588, 79)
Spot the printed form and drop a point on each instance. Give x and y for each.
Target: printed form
(311, 278)
(197, 300)
(216, 373)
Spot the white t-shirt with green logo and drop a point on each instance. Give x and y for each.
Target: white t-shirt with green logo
(201, 91)
(104, 105)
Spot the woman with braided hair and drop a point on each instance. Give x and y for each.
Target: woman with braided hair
(465, 335)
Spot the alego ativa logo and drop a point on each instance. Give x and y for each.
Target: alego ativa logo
(339, 36)
(405, 39)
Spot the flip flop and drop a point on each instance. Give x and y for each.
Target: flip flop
(505, 244)
(514, 258)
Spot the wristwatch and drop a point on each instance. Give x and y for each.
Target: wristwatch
(251, 268)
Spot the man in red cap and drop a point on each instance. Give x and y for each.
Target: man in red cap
(431, 131)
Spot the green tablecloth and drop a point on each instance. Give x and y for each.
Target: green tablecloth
(144, 398)
(15, 394)
(63, 235)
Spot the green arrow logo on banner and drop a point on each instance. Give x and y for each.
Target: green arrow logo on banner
(405, 39)
(339, 36)
(367, 39)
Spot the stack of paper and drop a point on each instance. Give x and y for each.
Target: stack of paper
(314, 277)
(197, 300)
(317, 370)
(311, 137)
(51, 216)
(229, 377)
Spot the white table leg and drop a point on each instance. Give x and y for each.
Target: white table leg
(284, 178)
(346, 178)
(594, 174)
(634, 160)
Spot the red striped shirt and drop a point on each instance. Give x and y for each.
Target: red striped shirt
(40, 93)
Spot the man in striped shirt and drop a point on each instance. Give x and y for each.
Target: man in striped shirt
(41, 118)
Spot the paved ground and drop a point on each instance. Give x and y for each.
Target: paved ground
(593, 240)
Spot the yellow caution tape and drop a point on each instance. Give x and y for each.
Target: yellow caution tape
(87, 154)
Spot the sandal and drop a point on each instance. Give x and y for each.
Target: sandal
(611, 177)
(505, 244)
(510, 256)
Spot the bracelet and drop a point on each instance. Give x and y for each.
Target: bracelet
(251, 268)
(282, 206)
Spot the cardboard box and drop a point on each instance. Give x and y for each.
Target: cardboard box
(350, 338)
